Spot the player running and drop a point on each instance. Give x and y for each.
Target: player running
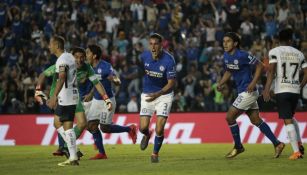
(157, 96)
(98, 115)
(239, 64)
(286, 62)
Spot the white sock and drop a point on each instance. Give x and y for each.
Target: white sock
(292, 137)
(62, 133)
(297, 129)
(71, 144)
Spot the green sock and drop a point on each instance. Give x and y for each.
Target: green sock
(77, 132)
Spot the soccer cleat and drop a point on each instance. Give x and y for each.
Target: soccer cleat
(154, 158)
(99, 156)
(296, 155)
(145, 140)
(66, 153)
(69, 163)
(133, 133)
(302, 149)
(278, 149)
(234, 152)
(58, 152)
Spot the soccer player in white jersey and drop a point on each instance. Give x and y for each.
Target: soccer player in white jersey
(65, 96)
(157, 95)
(285, 63)
(240, 64)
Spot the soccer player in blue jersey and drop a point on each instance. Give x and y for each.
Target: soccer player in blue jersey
(157, 96)
(97, 115)
(240, 65)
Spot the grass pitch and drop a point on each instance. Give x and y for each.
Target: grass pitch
(174, 159)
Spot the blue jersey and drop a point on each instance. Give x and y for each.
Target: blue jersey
(157, 72)
(241, 65)
(103, 70)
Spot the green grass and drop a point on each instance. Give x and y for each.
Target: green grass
(174, 159)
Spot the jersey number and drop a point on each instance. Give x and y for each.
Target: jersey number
(285, 67)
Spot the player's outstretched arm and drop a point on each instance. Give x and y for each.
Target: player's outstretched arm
(269, 80)
(224, 79)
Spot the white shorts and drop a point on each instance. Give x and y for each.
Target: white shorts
(161, 105)
(99, 111)
(86, 107)
(246, 101)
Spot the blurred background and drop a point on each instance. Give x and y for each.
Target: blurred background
(193, 32)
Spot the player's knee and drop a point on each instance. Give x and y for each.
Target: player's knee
(92, 127)
(82, 125)
(105, 128)
(159, 131)
(230, 120)
(143, 129)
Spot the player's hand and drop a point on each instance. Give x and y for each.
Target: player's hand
(40, 97)
(88, 97)
(219, 87)
(266, 95)
(250, 87)
(109, 104)
(52, 102)
(116, 81)
(152, 96)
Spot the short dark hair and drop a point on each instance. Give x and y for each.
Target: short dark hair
(234, 36)
(78, 50)
(285, 35)
(59, 40)
(157, 36)
(96, 50)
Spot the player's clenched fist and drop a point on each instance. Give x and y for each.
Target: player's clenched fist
(108, 102)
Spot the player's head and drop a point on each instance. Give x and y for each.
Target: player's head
(79, 54)
(93, 52)
(56, 44)
(155, 44)
(285, 35)
(231, 41)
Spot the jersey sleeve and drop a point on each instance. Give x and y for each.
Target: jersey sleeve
(171, 70)
(50, 71)
(272, 57)
(61, 65)
(304, 62)
(91, 75)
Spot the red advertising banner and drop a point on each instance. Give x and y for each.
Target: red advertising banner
(181, 128)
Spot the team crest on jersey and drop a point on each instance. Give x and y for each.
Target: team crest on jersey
(99, 70)
(235, 61)
(162, 68)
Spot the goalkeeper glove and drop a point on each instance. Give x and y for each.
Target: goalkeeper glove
(40, 96)
(107, 101)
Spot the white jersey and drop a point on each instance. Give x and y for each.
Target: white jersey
(69, 93)
(289, 63)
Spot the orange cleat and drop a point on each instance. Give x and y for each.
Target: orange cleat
(296, 155)
(99, 156)
(133, 133)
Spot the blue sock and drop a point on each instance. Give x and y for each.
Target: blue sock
(265, 129)
(236, 135)
(158, 144)
(119, 129)
(98, 141)
(61, 141)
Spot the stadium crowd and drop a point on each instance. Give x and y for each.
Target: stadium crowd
(192, 30)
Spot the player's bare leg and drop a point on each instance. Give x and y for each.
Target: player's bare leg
(144, 129)
(253, 115)
(232, 114)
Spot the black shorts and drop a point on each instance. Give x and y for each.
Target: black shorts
(286, 104)
(66, 113)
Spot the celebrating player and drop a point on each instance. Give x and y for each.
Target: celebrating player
(157, 96)
(286, 62)
(239, 64)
